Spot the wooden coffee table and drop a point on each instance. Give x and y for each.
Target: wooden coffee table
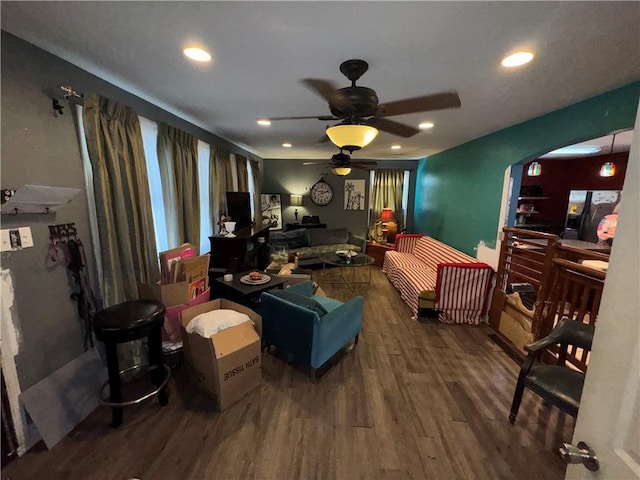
(245, 294)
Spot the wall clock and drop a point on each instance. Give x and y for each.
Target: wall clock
(321, 193)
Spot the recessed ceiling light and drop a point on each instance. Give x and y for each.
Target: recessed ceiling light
(197, 54)
(425, 125)
(264, 122)
(517, 59)
(396, 147)
(286, 145)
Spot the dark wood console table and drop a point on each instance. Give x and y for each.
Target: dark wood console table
(249, 249)
(296, 226)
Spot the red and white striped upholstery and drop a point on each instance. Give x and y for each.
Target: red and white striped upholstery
(422, 263)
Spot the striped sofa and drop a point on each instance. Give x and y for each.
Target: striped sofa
(422, 267)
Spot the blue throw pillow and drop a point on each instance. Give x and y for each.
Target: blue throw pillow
(300, 300)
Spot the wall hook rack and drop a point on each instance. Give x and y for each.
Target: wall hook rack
(63, 232)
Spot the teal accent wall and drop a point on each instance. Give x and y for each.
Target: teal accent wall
(458, 191)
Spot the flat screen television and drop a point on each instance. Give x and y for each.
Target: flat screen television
(239, 208)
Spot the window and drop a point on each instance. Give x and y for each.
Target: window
(405, 197)
(150, 142)
(252, 192)
(150, 145)
(206, 227)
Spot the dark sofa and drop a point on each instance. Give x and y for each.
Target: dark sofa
(310, 243)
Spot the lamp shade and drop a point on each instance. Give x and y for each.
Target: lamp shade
(351, 137)
(608, 169)
(341, 171)
(295, 200)
(534, 170)
(386, 215)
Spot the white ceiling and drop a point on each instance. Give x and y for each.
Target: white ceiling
(262, 49)
(620, 142)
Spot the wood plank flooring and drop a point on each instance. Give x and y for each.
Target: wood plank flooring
(413, 399)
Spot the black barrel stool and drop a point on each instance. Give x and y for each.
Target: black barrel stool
(122, 323)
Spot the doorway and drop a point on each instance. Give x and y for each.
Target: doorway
(541, 188)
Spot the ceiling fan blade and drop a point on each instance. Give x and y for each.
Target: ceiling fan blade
(438, 101)
(328, 91)
(390, 126)
(314, 163)
(317, 117)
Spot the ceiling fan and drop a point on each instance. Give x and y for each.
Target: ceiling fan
(357, 105)
(341, 164)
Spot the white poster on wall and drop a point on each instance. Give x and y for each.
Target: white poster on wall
(15, 238)
(354, 198)
(271, 210)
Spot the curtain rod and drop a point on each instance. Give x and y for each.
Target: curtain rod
(69, 92)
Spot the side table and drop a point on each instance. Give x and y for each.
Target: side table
(377, 251)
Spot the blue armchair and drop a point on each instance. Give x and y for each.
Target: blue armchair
(311, 328)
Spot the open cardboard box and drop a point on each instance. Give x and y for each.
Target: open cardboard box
(228, 365)
(170, 294)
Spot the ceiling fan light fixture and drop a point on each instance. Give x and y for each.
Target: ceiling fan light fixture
(352, 137)
(425, 125)
(341, 171)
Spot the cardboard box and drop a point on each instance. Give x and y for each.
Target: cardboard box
(170, 294)
(172, 329)
(169, 257)
(228, 365)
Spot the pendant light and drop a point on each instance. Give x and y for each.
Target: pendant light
(534, 170)
(608, 169)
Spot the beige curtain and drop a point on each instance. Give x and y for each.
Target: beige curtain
(255, 179)
(178, 161)
(123, 204)
(387, 192)
(219, 179)
(243, 173)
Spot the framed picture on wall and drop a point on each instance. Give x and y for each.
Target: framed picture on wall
(354, 198)
(271, 210)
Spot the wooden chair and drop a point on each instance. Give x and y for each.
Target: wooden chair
(557, 384)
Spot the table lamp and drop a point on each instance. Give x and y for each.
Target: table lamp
(296, 201)
(389, 226)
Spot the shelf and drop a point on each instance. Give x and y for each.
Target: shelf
(533, 198)
(36, 199)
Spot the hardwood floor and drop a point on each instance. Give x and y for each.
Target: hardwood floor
(411, 400)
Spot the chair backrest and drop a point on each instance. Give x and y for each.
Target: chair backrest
(575, 293)
(573, 332)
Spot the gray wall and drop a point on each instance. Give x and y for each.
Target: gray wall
(38, 148)
(291, 176)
